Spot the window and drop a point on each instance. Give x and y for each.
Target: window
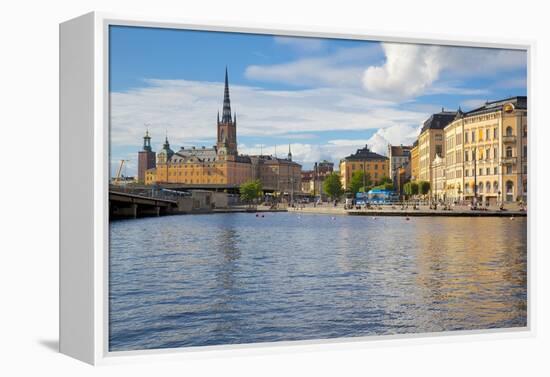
(487, 153)
(488, 187)
(525, 151)
(480, 187)
(480, 171)
(495, 133)
(439, 150)
(495, 170)
(487, 134)
(508, 131)
(466, 172)
(524, 169)
(508, 151)
(465, 155)
(466, 137)
(509, 169)
(495, 152)
(509, 187)
(473, 136)
(487, 171)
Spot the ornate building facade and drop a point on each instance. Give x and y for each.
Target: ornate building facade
(479, 155)
(221, 166)
(488, 151)
(414, 161)
(430, 143)
(372, 164)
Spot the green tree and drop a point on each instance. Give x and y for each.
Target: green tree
(385, 180)
(410, 188)
(424, 187)
(407, 189)
(333, 186)
(359, 180)
(251, 190)
(414, 188)
(385, 186)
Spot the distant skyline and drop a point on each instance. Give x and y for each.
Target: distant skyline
(325, 97)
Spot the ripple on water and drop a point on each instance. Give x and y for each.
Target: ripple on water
(233, 278)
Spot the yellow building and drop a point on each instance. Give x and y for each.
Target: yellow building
(374, 165)
(494, 145)
(414, 161)
(438, 178)
(454, 158)
(431, 144)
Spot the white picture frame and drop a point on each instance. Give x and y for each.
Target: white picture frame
(84, 228)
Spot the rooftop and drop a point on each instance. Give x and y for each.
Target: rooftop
(519, 102)
(400, 150)
(439, 120)
(364, 154)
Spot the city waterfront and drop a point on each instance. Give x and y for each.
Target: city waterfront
(181, 281)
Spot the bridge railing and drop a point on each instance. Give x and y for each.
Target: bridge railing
(154, 193)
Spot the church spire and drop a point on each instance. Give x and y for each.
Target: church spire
(289, 157)
(226, 114)
(147, 141)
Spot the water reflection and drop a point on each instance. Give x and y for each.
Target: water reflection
(217, 279)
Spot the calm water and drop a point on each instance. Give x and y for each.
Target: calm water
(234, 278)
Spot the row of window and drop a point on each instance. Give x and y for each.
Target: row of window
(486, 187)
(484, 171)
(360, 167)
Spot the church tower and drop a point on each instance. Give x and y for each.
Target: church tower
(146, 158)
(227, 128)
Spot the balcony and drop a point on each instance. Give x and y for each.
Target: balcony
(510, 139)
(508, 160)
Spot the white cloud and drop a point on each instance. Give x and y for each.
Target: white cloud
(395, 135)
(341, 68)
(186, 110)
(410, 70)
(336, 149)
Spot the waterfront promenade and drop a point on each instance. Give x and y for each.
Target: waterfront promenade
(422, 211)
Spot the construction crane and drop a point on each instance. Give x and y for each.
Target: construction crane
(118, 177)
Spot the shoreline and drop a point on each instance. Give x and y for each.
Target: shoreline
(409, 213)
(338, 211)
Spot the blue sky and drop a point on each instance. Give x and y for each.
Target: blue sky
(325, 97)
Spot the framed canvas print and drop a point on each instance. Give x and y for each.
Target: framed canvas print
(225, 187)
